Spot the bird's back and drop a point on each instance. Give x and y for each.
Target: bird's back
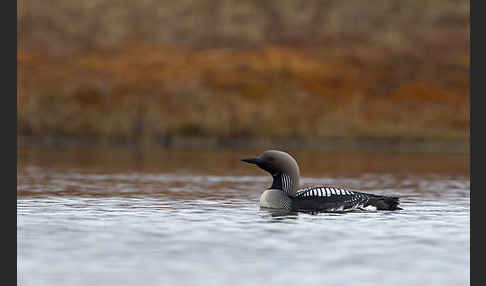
(339, 199)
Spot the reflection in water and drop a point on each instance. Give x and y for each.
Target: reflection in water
(280, 213)
(283, 213)
(179, 218)
(226, 162)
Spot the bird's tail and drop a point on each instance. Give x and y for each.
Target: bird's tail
(384, 203)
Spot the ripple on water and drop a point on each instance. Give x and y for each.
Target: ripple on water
(79, 228)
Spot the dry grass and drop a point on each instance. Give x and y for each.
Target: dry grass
(150, 91)
(148, 70)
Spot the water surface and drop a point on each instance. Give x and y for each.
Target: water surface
(159, 217)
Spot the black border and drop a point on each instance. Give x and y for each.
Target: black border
(10, 79)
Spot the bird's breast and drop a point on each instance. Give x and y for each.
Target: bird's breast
(275, 199)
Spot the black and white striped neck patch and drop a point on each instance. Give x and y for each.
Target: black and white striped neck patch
(322, 192)
(286, 183)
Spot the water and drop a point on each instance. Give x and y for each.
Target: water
(158, 217)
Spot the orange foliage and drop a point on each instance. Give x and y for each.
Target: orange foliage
(275, 91)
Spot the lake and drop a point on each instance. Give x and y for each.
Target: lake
(121, 216)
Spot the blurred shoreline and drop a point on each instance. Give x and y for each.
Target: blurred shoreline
(190, 143)
(280, 92)
(246, 71)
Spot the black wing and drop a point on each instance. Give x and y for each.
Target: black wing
(328, 198)
(332, 199)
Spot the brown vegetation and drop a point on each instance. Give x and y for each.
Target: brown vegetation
(403, 74)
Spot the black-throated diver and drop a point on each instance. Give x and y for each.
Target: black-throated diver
(284, 192)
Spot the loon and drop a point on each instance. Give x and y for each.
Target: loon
(284, 192)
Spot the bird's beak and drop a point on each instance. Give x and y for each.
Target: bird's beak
(255, 161)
